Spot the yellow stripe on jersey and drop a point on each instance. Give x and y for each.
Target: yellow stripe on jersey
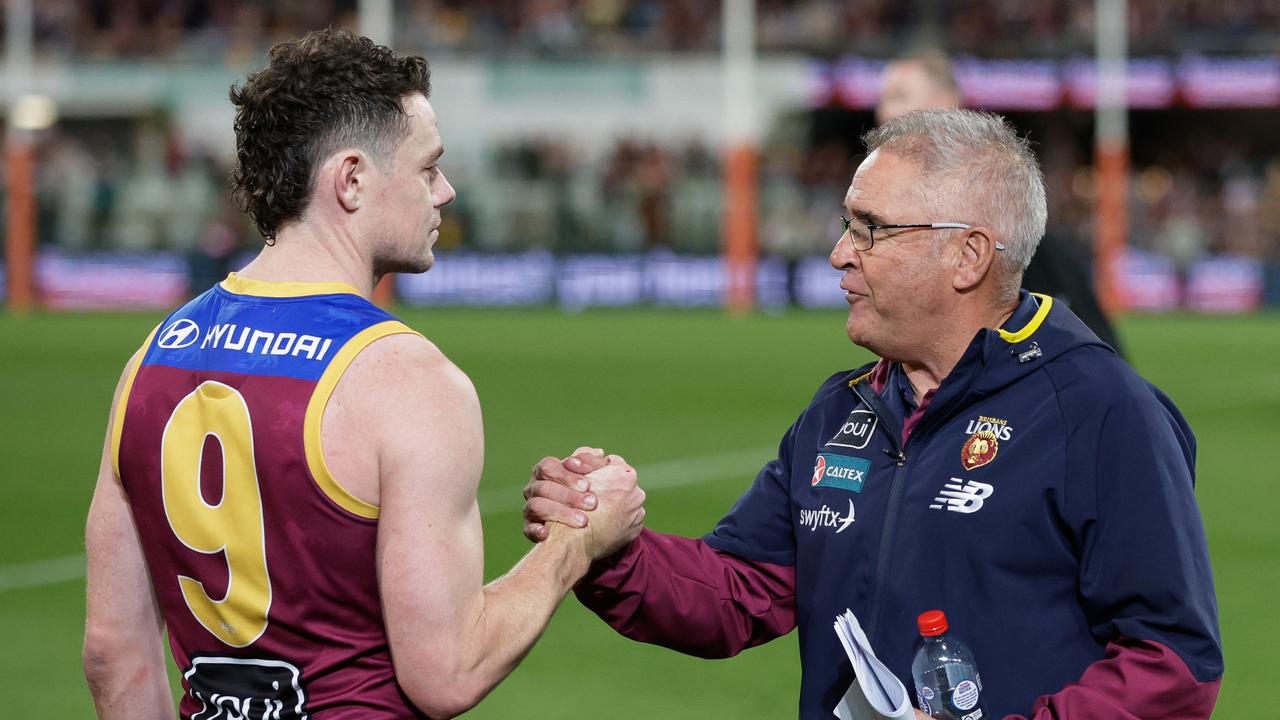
(315, 413)
(117, 419)
(263, 288)
(1046, 302)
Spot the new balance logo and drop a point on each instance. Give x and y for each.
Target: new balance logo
(963, 498)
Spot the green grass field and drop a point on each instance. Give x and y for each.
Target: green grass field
(695, 399)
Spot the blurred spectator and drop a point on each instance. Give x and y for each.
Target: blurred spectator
(1204, 183)
(97, 192)
(921, 81)
(67, 189)
(240, 29)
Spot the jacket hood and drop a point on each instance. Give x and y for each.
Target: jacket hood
(1040, 330)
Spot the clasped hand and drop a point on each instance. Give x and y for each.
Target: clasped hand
(590, 491)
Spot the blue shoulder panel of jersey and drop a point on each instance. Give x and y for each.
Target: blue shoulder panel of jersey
(293, 337)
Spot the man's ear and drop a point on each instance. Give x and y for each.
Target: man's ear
(977, 254)
(350, 180)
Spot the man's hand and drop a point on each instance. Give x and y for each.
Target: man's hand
(619, 517)
(921, 716)
(558, 491)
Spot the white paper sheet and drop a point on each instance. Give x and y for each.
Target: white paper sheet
(876, 693)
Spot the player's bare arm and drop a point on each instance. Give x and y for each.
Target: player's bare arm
(452, 637)
(124, 656)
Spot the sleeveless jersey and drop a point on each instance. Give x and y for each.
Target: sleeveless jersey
(263, 565)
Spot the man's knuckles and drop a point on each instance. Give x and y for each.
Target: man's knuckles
(614, 476)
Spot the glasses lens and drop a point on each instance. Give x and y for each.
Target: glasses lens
(860, 234)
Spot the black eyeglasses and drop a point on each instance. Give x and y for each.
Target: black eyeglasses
(863, 242)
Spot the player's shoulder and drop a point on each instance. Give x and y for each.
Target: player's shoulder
(408, 368)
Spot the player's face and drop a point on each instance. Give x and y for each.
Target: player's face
(412, 191)
(896, 288)
(907, 87)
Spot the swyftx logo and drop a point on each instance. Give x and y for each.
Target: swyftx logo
(826, 518)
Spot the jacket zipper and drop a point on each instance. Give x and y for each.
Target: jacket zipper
(889, 529)
(896, 487)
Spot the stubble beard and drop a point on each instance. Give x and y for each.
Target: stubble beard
(389, 260)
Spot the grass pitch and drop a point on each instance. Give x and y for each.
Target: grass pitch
(696, 399)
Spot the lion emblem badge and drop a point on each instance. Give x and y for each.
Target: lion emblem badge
(979, 449)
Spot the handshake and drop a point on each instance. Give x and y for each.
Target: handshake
(589, 498)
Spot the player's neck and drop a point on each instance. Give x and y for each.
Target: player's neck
(301, 254)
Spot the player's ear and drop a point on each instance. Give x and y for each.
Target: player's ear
(977, 254)
(350, 181)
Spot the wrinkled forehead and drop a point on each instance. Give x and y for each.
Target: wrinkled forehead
(883, 184)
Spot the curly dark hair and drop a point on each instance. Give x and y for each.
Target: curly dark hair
(330, 89)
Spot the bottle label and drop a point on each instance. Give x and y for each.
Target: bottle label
(924, 704)
(965, 695)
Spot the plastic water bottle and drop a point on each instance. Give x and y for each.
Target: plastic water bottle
(946, 677)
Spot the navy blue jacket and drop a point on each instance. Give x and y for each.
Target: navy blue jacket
(1042, 497)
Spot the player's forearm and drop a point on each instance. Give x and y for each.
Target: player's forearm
(127, 684)
(517, 608)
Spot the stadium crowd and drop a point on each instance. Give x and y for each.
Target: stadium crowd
(1207, 198)
(240, 29)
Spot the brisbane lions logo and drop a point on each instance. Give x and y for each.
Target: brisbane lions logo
(979, 449)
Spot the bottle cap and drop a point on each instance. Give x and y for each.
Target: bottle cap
(931, 623)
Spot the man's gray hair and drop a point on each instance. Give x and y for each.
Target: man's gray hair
(978, 167)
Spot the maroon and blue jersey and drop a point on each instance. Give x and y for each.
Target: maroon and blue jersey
(262, 563)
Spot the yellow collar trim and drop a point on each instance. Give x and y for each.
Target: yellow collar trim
(862, 377)
(264, 288)
(1027, 331)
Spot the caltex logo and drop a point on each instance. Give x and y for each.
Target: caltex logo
(840, 471)
(819, 469)
(179, 334)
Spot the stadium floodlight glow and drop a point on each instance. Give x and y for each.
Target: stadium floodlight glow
(34, 112)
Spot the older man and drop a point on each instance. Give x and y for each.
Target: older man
(998, 462)
(925, 80)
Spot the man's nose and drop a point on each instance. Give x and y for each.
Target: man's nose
(843, 255)
(446, 193)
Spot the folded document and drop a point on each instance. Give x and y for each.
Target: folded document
(876, 692)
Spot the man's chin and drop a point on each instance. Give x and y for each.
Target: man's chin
(412, 266)
(857, 333)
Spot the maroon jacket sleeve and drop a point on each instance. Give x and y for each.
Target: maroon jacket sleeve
(1138, 680)
(681, 593)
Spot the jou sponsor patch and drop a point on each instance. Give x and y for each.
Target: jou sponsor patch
(856, 431)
